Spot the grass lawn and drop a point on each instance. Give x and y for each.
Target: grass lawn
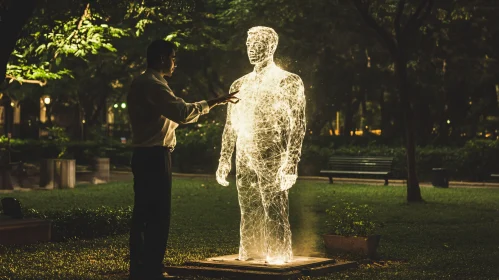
(454, 235)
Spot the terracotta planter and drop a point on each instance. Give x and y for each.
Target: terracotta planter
(360, 245)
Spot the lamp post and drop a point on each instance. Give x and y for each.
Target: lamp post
(47, 100)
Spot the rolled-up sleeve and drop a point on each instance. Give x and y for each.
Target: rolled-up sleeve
(173, 107)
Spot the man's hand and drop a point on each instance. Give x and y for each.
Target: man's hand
(223, 99)
(222, 173)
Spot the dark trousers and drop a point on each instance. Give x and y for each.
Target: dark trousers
(152, 185)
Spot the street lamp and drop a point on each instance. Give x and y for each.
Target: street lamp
(47, 100)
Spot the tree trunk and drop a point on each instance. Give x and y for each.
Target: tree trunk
(413, 190)
(385, 116)
(13, 16)
(348, 119)
(364, 117)
(317, 122)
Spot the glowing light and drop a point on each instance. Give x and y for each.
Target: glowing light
(115, 105)
(46, 100)
(448, 121)
(123, 105)
(267, 126)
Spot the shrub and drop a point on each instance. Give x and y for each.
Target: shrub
(349, 219)
(85, 223)
(198, 151)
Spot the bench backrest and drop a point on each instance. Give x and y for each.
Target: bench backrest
(343, 163)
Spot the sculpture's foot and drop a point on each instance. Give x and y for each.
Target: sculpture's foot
(278, 260)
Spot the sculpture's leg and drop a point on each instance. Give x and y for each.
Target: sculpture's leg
(252, 213)
(277, 229)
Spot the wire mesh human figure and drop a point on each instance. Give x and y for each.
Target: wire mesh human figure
(267, 126)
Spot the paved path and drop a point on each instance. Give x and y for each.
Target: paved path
(126, 176)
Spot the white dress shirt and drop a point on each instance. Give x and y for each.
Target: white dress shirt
(155, 112)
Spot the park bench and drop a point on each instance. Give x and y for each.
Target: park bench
(494, 176)
(16, 229)
(343, 166)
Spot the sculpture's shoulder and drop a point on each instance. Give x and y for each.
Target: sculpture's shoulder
(292, 78)
(292, 82)
(236, 85)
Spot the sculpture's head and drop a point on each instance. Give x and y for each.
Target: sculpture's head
(261, 44)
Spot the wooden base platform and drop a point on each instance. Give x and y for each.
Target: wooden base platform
(230, 267)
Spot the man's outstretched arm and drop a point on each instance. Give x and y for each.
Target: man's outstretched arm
(176, 109)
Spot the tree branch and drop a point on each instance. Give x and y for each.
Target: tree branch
(386, 38)
(86, 13)
(398, 17)
(21, 81)
(416, 20)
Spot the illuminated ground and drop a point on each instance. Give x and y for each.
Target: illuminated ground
(452, 236)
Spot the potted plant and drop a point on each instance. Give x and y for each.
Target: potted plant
(351, 228)
(59, 172)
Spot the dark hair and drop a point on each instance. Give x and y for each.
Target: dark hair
(158, 48)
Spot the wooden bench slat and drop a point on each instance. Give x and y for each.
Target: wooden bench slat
(357, 169)
(354, 172)
(356, 160)
(360, 166)
(382, 167)
(360, 163)
(359, 160)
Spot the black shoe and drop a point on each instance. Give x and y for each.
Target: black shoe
(163, 276)
(136, 272)
(135, 277)
(159, 277)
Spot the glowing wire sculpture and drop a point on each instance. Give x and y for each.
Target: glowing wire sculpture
(267, 126)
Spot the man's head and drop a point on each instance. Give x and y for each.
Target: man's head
(161, 57)
(262, 43)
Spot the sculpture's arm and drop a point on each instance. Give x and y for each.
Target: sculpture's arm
(294, 89)
(228, 139)
(228, 143)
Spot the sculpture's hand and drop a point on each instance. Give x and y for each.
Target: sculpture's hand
(287, 181)
(222, 173)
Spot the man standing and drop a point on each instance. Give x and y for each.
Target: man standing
(155, 112)
(268, 127)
